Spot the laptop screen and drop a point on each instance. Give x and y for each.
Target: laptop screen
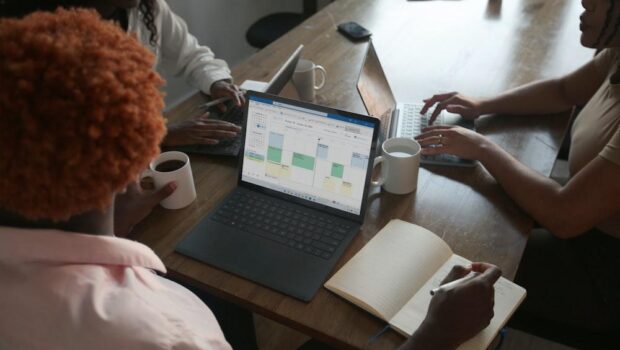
(307, 153)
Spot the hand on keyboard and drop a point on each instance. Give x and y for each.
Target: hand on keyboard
(452, 102)
(200, 130)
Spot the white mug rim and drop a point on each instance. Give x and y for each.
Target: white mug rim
(402, 139)
(155, 162)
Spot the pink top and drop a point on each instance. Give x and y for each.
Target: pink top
(62, 290)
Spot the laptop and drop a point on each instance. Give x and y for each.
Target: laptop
(234, 114)
(400, 119)
(301, 195)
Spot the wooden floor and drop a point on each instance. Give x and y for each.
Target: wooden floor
(273, 336)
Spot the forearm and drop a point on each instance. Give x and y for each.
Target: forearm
(540, 97)
(536, 194)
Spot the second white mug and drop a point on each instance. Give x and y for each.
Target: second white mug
(304, 79)
(400, 165)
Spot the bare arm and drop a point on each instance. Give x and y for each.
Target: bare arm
(548, 96)
(540, 97)
(590, 197)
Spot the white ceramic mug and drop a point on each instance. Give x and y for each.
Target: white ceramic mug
(400, 165)
(185, 192)
(304, 79)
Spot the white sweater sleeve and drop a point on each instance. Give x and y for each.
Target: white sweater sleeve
(182, 55)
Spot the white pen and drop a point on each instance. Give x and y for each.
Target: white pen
(451, 285)
(210, 104)
(214, 102)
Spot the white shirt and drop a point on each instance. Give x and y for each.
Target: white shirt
(63, 290)
(177, 51)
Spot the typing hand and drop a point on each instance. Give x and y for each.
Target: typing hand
(452, 139)
(224, 88)
(200, 130)
(452, 102)
(136, 204)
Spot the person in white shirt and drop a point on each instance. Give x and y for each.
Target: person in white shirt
(176, 51)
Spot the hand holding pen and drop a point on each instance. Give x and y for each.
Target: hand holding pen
(464, 308)
(223, 91)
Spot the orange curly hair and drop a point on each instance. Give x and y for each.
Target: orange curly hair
(80, 113)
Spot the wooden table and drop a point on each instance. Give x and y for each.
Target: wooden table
(477, 47)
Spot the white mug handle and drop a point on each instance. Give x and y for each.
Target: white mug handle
(148, 173)
(323, 76)
(381, 180)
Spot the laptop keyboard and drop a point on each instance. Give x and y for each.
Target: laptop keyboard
(413, 122)
(281, 222)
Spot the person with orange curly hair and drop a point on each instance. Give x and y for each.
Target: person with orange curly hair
(80, 118)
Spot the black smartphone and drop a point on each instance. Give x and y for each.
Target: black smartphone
(354, 31)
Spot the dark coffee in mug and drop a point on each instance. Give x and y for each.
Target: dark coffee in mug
(169, 165)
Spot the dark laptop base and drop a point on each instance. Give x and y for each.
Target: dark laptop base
(264, 261)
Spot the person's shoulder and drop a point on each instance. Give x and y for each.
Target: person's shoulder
(161, 5)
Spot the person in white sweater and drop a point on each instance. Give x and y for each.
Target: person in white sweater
(176, 51)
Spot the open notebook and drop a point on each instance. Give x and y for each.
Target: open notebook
(391, 277)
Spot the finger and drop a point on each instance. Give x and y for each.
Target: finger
(242, 97)
(440, 97)
(221, 127)
(429, 141)
(437, 127)
(164, 192)
(133, 188)
(440, 107)
(434, 99)
(457, 109)
(203, 140)
(203, 121)
(490, 275)
(216, 125)
(204, 117)
(235, 95)
(214, 134)
(430, 134)
(208, 132)
(457, 271)
(428, 103)
(431, 151)
(481, 266)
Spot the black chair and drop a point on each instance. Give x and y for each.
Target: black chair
(269, 28)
